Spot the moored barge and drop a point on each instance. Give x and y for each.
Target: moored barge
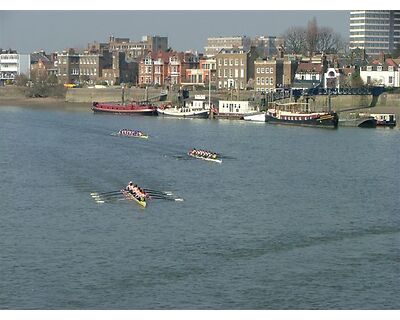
(132, 108)
(299, 114)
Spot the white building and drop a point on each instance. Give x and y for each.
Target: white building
(333, 78)
(309, 71)
(386, 73)
(375, 31)
(14, 64)
(234, 108)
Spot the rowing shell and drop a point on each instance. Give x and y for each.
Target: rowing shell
(130, 196)
(207, 159)
(144, 136)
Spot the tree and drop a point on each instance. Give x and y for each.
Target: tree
(312, 36)
(356, 81)
(312, 39)
(21, 80)
(295, 38)
(328, 41)
(52, 80)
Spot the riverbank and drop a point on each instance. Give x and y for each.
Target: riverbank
(81, 99)
(45, 103)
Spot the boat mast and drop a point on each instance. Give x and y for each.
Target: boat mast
(329, 101)
(209, 86)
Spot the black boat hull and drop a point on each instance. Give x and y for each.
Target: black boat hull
(329, 121)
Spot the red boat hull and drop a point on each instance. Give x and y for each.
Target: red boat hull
(134, 108)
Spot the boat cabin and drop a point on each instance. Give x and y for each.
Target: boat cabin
(384, 119)
(235, 107)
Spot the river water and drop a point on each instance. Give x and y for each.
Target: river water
(293, 218)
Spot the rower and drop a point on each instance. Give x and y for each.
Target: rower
(129, 187)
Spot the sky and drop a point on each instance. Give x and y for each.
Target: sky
(56, 30)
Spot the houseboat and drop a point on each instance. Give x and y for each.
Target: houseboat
(228, 109)
(197, 108)
(300, 114)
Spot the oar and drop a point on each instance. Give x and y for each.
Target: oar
(158, 194)
(166, 198)
(168, 193)
(111, 196)
(109, 200)
(104, 193)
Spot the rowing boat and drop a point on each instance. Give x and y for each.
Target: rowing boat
(130, 196)
(204, 158)
(130, 134)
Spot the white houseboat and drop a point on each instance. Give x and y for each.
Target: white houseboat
(234, 109)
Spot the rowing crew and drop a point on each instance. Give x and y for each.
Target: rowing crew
(128, 132)
(137, 192)
(203, 153)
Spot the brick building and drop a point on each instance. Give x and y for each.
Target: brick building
(166, 68)
(90, 68)
(268, 74)
(201, 76)
(235, 67)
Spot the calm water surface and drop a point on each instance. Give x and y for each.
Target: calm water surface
(294, 218)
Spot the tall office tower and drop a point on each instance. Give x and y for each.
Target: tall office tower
(376, 31)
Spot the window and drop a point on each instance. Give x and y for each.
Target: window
(262, 80)
(379, 68)
(258, 70)
(225, 62)
(231, 62)
(242, 73)
(271, 80)
(258, 80)
(220, 62)
(262, 70)
(271, 70)
(236, 62)
(390, 79)
(390, 68)
(369, 68)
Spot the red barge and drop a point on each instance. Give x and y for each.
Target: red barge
(132, 108)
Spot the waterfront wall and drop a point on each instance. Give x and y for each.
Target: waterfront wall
(114, 94)
(320, 102)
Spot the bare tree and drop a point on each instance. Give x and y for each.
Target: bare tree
(295, 38)
(312, 39)
(328, 41)
(312, 36)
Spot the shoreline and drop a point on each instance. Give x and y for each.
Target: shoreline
(48, 103)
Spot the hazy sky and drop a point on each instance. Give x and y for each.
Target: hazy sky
(27, 31)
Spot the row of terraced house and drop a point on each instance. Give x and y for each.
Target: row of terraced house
(260, 64)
